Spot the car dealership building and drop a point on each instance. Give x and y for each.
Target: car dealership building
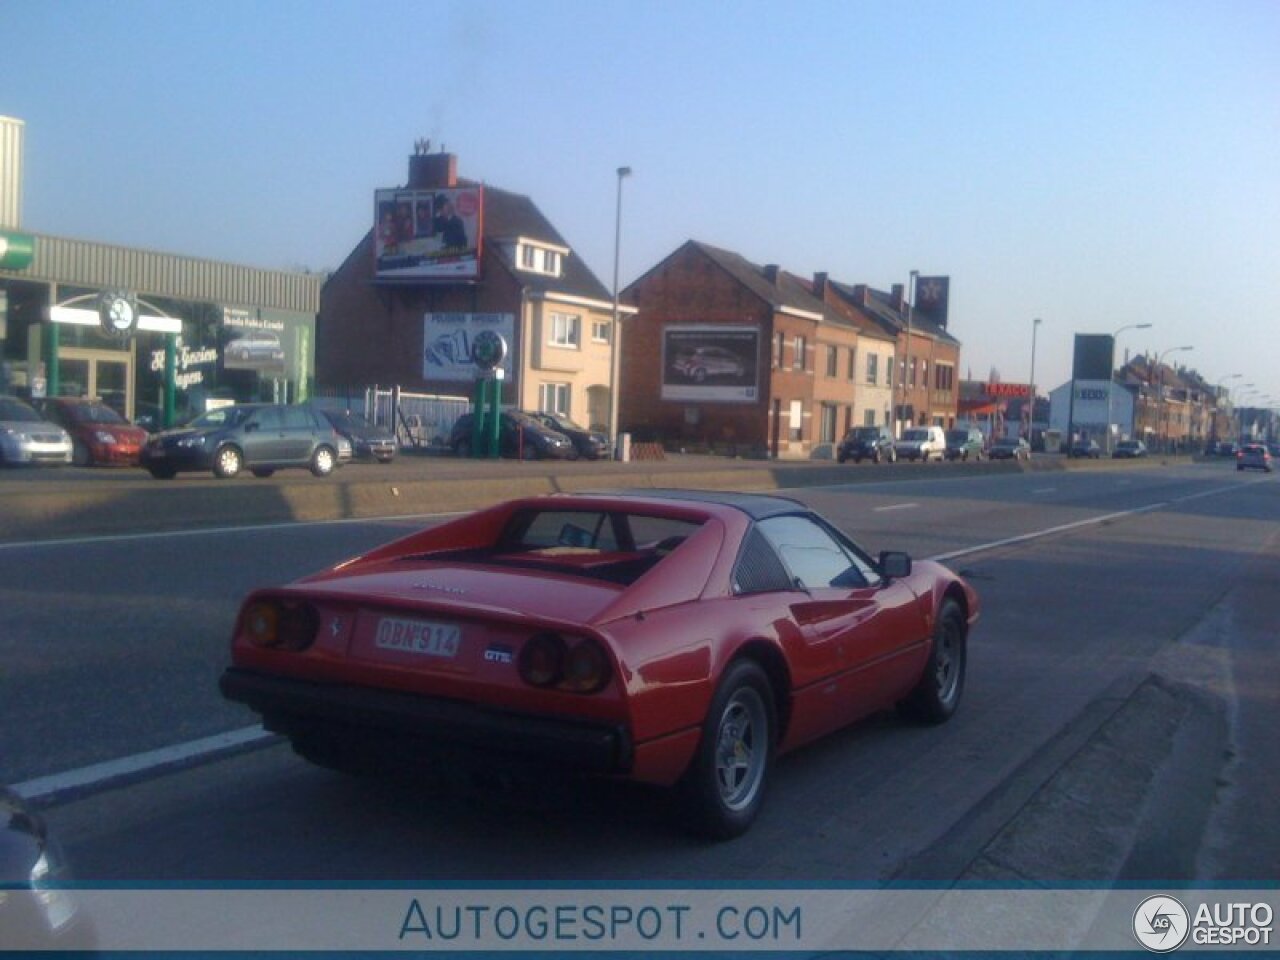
(155, 335)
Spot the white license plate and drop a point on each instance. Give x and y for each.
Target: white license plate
(418, 636)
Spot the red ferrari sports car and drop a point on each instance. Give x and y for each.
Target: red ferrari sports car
(672, 637)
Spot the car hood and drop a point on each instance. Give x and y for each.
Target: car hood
(120, 429)
(179, 433)
(31, 426)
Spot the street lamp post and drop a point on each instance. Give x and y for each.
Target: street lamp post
(615, 332)
(1031, 399)
(1161, 426)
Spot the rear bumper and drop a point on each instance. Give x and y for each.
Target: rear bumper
(430, 725)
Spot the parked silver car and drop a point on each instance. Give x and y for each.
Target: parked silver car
(26, 437)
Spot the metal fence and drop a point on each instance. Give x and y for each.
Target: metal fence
(421, 421)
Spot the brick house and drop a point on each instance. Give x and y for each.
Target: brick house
(925, 388)
(731, 356)
(559, 315)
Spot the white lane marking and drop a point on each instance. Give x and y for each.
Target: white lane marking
(98, 775)
(102, 775)
(896, 506)
(202, 531)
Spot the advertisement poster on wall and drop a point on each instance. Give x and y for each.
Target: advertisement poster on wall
(253, 342)
(428, 234)
(447, 340)
(710, 363)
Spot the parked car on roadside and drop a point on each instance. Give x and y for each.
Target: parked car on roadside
(1085, 450)
(27, 437)
(99, 435)
(260, 437)
(519, 436)
(1129, 450)
(1253, 456)
(1010, 448)
(921, 443)
(368, 440)
(867, 443)
(586, 443)
(964, 443)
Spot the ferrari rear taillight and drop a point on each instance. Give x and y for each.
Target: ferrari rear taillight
(281, 624)
(575, 665)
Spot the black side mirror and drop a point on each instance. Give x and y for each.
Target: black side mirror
(895, 564)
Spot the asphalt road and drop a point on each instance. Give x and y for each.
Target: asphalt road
(1116, 719)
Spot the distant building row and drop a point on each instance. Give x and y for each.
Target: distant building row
(717, 352)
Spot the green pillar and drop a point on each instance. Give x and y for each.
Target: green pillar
(494, 424)
(170, 373)
(52, 379)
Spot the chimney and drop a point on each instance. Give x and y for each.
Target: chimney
(862, 295)
(433, 171)
(771, 274)
(899, 300)
(820, 286)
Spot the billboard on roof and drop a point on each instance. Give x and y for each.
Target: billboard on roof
(428, 234)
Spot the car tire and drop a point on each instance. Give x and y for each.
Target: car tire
(80, 455)
(162, 473)
(263, 472)
(331, 754)
(699, 375)
(227, 462)
(463, 449)
(937, 695)
(323, 461)
(841, 458)
(724, 788)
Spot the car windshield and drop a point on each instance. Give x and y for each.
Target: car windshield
(345, 420)
(93, 413)
(957, 436)
(915, 435)
(614, 546)
(865, 433)
(17, 411)
(563, 423)
(222, 417)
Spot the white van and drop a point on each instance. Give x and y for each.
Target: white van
(921, 443)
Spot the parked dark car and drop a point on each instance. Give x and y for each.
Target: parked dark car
(35, 912)
(870, 443)
(99, 435)
(964, 443)
(1085, 449)
(586, 443)
(1010, 448)
(262, 437)
(1226, 448)
(1129, 450)
(519, 436)
(368, 440)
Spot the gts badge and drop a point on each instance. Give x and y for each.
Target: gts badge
(498, 653)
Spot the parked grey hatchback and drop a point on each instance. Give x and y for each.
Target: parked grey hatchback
(260, 437)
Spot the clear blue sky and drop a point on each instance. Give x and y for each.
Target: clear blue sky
(1094, 163)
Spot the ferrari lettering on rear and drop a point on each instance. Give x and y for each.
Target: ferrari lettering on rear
(418, 636)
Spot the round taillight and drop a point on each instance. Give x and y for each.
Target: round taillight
(541, 661)
(261, 623)
(290, 625)
(586, 668)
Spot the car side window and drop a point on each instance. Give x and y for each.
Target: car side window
(814, 558)
(268, 418)
(759, 570)
(297, 418)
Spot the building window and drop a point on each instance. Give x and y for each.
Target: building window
(528, 258)
(565, 330)
(797, 362)
(911, 373)
(537, 259)
(833, 361)
(554, 398)
(828, 425)
(600, 331)
(873, 370)
(851, 372)
(779, 345)
(944, 376)
(869, 418)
